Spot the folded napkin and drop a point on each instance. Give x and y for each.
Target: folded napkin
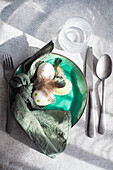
(49, 129)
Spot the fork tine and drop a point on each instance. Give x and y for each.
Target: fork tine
(5, 61)
(4, 64)
(8, 62)
(11, 62)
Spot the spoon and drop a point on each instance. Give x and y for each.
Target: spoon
(103, 71)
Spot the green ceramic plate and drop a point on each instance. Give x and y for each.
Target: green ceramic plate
(75, 100)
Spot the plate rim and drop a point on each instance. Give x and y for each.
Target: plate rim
(78, 69)
(84, 81)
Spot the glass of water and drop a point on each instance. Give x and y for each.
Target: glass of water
(74, 35)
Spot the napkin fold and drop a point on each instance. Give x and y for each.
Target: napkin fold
(49, 129)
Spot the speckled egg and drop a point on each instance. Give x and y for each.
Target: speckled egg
(40, 99)
(46, 70)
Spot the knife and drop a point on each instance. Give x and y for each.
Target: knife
(89, 79)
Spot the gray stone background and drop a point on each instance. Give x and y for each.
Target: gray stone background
(25, 26)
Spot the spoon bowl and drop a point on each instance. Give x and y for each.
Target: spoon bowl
(104, 67)
(103, 71)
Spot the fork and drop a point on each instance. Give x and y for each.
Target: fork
(8, 69)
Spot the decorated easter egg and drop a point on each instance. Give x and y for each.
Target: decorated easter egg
(64, 90)
(46, 70)
(40, 99)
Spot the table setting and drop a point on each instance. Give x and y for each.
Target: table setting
(55, 97)
(16, 79)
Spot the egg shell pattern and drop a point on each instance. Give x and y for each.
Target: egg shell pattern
(65, 90)
(40, 99)
(46, 70)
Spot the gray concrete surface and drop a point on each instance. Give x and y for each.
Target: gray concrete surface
(25, 26)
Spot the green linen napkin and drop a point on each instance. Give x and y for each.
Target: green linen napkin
(49, 129)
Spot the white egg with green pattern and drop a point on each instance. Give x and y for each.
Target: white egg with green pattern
(46, 70)
(40, 99)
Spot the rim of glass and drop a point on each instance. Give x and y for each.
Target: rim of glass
(76, 43)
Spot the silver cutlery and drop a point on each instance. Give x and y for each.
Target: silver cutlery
(89, 79)
(8, 69)
(103, 70)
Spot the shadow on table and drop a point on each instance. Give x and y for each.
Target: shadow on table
(93, 159)
(47, 17)
(14, 156)
(19, 49)
(14, 165)
(44, 19)
(10, 9)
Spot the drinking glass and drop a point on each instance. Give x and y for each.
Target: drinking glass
(74, 35)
